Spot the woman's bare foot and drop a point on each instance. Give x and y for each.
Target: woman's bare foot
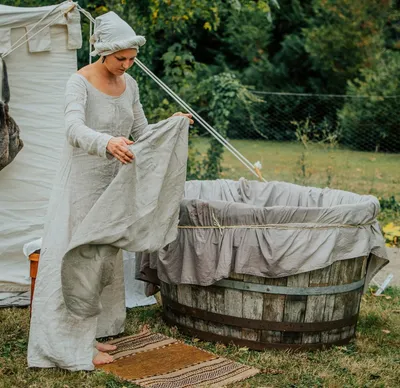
(105, 347)
(102, 358)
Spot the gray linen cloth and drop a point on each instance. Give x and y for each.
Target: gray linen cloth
(273, 230)
(139, 211)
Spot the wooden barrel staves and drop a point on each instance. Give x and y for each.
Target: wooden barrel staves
(312, 310)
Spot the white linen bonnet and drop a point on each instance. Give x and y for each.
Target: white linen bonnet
(112, 34)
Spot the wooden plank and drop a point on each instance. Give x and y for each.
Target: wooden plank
(344, 302)
(170, 291)
(353, 307)
(234, 308)
(164, 290)
(253, 279)
(345, 277)
(364, 267)
(295, 307)
(273, 308)
(334, 276)
(233, 297)
(199, 298)
(327, 336)
(215, 302)
(360, 266)
(252, 307)
(338, 275)
(316, 304)
(173, 292)
(236, 276)
(357, 306)
(184, 294)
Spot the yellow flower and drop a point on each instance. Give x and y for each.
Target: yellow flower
(207, 26)
(392, 234)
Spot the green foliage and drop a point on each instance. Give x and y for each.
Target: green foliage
(27, 3)
(314, 135)
(289, 61)
(299, 46)
(309, 132)
(390, 204)
(390, 219)
(392, 235)
(244, 43)
(371, 123)
(224, 94)
(343, 37)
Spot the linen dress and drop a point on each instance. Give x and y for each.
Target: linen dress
(57, 338)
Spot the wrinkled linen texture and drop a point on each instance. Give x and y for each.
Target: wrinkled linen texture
(112, 34)
(98, 207)
(277, 229)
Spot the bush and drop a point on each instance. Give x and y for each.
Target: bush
(373, 124)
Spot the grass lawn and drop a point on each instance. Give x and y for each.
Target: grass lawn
(360, 172)
(372, 360)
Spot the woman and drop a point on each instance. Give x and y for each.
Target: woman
(102, 110)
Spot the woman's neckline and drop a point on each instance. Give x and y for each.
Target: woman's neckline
(99, 91)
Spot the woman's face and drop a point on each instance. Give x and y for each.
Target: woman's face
(119, 62)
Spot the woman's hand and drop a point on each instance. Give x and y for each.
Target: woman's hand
(117, 146)
(188, 115)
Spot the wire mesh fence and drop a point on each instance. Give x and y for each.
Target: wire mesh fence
(362, 123)
(343, 142)
(357, 122)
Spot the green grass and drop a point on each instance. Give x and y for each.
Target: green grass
(359, 172)
(372, 360)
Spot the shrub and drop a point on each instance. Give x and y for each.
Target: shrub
(372, 124)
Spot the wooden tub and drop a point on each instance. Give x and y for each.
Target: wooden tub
(312, 310)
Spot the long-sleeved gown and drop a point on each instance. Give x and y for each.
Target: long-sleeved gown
(57, 338)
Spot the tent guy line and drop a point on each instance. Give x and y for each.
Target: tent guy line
(17, 44)
(205, 125)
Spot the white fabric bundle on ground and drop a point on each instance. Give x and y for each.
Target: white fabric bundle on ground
(134, 289)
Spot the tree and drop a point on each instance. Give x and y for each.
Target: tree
(372, 123)
(346, 36)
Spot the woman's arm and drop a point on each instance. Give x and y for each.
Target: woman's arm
(140, 124)
(140, 121)
(78, 133)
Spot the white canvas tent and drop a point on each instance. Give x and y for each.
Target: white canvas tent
(38, 71)
(38, 68)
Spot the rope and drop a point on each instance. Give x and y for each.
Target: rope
(216, 223)
(90, 43)
(183, 104)
(84, 12)
(16, 45)
(201, 121)
(275, 226)
(91, 23)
